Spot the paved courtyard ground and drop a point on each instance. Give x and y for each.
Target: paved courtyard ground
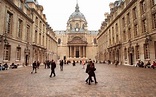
(123, 81)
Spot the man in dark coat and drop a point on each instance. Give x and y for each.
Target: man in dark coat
(53, 66)
(92, 73)
(34, 65)
(87, 71)
(61, 65)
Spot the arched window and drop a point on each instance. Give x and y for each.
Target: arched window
(59, 41)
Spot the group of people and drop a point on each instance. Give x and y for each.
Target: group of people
(90, 69)
(6, 66)
(147, 65)
(35, 65)
(3, 67)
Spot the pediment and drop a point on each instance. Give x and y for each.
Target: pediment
(77, 40)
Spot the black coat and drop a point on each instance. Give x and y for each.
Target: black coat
(53, 65)
(91, 71)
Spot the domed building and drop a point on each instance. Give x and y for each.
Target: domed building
(77, 42)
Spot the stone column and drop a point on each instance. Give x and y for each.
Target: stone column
(70, 51)
(83, 51)
(80, 51)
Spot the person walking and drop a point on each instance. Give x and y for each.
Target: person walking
(92, 73)
(87, 71)
(53, 66)
(34, 65)
(61, 65)
(83, 64)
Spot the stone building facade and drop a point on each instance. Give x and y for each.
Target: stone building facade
(77, 42)
(23, 32)
(128, 32)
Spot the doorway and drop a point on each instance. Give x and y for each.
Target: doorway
(77, 54)
(26, 60)
(131, 58)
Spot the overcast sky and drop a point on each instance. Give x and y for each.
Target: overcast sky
(58, 12)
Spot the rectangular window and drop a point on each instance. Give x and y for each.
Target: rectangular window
(124, 36)
(117, 38)
(154, 20)
(123, 22)
(116, 27)
(28, 33)
(144, 26)
(36, 21)
(20, 26)
(135, 30)
(43, 40)
(146, 51)
(18, 53)
(128, 19)
(40, 25)
(129, 33)
(7, 52)
(35, 36)
(40, 38)
(143, 6)
(134, 13)
(137, 52)
(9, 20)
(112, 31)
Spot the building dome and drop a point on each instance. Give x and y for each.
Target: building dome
(77, 21)
(77, 14)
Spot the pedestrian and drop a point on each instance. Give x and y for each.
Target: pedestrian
(34, 65)
(53, 66)
(73, 62)
(45, 64)
(83, 64)
(38, 64)
(153, 65)
(87, 71)
(61, 65)
(92, 73)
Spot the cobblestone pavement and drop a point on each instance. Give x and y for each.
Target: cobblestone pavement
(121, 81)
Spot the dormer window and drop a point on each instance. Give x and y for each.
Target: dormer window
(20, 4)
